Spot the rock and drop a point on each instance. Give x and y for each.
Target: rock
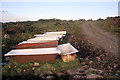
(85, 67)
(93, 76)
(3, 45)
(101, 72)
(77, 73)
(76, 77)
(49, 77)
(24, 70)
(83, 63)
(76, 43)
(69, 72)
(33, 68)
(92, 69)
(115, 65)
(50, 72)
(80, 69)
(102, 55)
(78, 47)
(36, 64)
(59, 74)
(43, 77)
(9, 66)
(87, 59)
(7, 58)
(72, 36)
(110, 47)
(98, 58)
(90, 62)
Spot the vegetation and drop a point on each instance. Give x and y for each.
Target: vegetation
(110, 25)
(21, 31)
(13, 68)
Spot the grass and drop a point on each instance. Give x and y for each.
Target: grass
(109, 27)
(72, 28)
(13, 68)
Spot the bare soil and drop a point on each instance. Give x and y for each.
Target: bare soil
(101, 39)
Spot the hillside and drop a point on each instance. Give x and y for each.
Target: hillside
(88, 57)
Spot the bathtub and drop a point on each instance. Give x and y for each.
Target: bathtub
(28, 45)
(57, 32)
(67, 52)
(43, 39)
(47, 35)
(43, 55)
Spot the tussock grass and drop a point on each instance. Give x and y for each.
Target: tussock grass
(13, 68)
(109, 27)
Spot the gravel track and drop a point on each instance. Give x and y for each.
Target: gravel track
(101, 39)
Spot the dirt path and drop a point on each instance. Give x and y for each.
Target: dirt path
(100, 38)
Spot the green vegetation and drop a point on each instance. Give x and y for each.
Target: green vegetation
(13, 68)
(21, 31)
(109, 26)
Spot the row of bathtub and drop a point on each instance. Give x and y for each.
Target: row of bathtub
(43, 48)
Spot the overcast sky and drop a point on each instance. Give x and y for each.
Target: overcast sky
(34, 10)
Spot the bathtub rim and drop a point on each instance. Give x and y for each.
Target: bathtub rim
(57, 51)
(75, 50)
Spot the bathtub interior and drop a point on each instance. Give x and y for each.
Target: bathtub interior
(36, 41)
(58, 32)
(49, 35)
(67, 49)
(37, 51)
(43, 39)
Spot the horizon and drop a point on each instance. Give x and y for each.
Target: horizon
(56, 18)
(33, 11)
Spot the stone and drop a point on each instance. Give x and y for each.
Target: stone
(9, 66)
(115, 65)
(90, 62)
(3, 45)
(59, 74)
(36, 64)
(50, 72)
(33, 68)
(24, 70)
(102, 55)
(69, 72)
(98, 58)
(87, 59)
(93, 76)
(92, 69)
(85, 66)
(83, 63)
(76, 77)
(110, 47)
(49, 77)
(79, 69)
(7, 58)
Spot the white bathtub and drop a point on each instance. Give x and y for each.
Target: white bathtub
(67, 52)
(36, 41)
(31, 55)
(43, 39)
(57, 32)
(48, 35)
(67, 49)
